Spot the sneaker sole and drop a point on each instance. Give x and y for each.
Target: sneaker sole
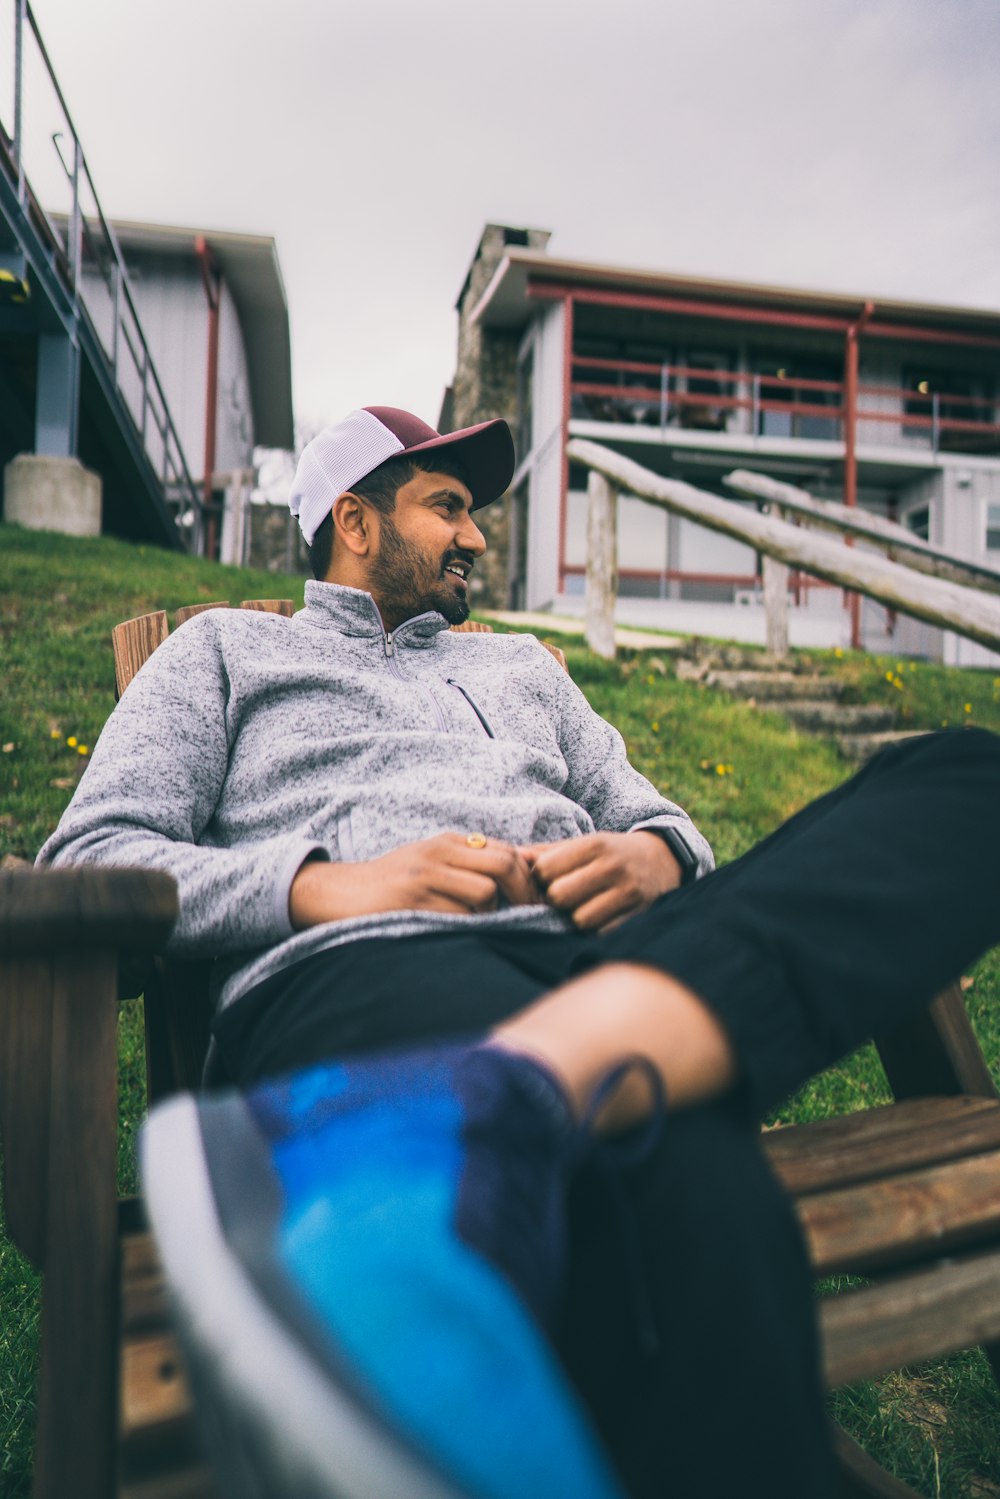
(274, 1423)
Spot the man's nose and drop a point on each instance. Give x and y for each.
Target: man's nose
(469, 537)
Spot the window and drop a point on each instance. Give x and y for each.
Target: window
(794, 395)
(993, 528)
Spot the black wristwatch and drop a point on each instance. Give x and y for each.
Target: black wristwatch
(681, 850)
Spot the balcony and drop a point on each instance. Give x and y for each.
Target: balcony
(739, 403)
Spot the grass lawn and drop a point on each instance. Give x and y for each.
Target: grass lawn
(738, 771)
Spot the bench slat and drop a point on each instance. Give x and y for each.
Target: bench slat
(905, 1218)
(882, 1142)
(913, 1317)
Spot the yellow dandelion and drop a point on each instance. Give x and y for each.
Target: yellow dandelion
(72, 741)
(655, 727)
(888, 676)
(54, 734)
(968, 707)
(82, 749)
(838, 652)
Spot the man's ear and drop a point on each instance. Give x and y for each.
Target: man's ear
(352, 524)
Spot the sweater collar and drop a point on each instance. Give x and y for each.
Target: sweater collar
(352, 611)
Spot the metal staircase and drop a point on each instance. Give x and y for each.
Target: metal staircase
(92, 390)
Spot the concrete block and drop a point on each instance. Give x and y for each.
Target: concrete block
(52, 494)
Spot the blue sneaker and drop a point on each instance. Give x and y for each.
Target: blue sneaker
(361, 1258)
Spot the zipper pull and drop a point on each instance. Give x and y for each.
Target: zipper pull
(390, 649)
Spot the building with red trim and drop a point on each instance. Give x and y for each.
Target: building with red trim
(889, 405)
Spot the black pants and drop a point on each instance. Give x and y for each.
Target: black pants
(688, 1325)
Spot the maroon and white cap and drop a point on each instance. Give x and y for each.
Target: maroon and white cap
(347, 451)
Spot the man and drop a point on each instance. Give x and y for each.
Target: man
(392, 836)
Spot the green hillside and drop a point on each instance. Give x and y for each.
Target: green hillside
(738, 771)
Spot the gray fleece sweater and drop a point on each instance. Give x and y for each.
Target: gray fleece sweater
(249, 742)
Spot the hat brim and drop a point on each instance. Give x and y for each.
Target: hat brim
(487, 455)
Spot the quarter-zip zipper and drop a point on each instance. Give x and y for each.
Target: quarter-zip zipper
(473, 705)
(394, 666)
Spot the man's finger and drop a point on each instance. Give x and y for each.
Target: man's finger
(568, 891)
(605, 910)
(554, 859)
(502, 862)
(471, 890)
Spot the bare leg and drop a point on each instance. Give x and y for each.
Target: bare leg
(586, 1026)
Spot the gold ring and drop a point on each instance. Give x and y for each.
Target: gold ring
(476, 840)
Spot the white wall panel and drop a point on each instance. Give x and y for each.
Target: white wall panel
(234, 421)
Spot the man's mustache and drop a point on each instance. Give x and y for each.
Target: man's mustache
(467, 560)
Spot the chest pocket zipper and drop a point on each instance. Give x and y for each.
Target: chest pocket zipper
(473, 705)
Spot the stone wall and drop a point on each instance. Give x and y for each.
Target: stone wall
(484, 386)
(276, 542)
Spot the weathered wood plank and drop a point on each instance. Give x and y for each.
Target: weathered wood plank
(285, 607)
(882, 1142)
(46, 910)
(971, 613)
(860, 1477)
(921, 1315)
(907, 1217)
(75, 1448)
(26, 1000)
(144, 1307)
(134, 641)
(851, 520)
(188, 611)
(154, 1394)
(602, 565)
(775, 579)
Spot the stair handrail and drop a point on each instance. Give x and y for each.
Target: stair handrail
(173, 468)
(851, 520)
(948, 605)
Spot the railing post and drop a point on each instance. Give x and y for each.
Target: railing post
(935, 422)
(602, 565)
(755, 406)
(145, 390)
(75, 222)
(20, 12)
(775, 580)
(116, 296)
(664, 394)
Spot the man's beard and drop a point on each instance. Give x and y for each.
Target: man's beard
(404, 580)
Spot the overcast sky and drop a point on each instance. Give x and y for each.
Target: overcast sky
(838, 144)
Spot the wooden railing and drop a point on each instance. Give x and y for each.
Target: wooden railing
(642, 392)
(969, 611)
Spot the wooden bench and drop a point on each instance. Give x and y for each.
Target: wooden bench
(906, 1196)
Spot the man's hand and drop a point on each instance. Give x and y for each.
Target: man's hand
(444, 873)
(601, 879)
